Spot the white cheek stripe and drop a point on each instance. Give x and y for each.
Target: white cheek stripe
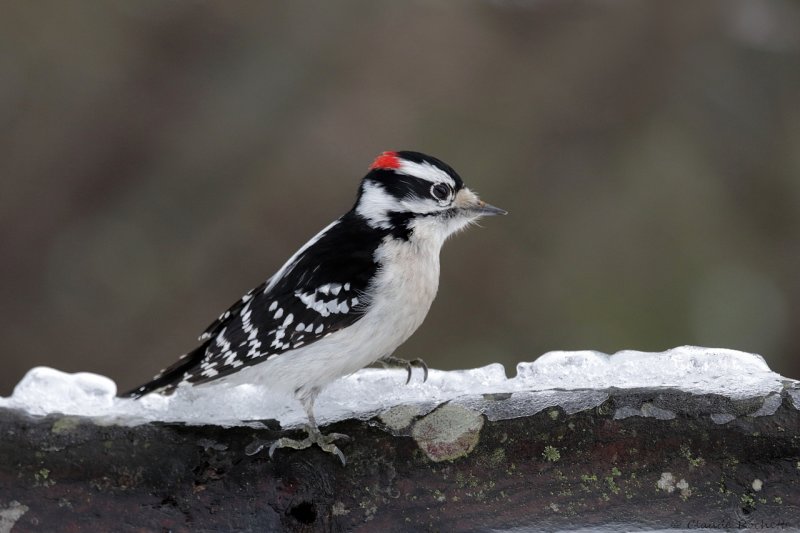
(375, 203)
(425, 171)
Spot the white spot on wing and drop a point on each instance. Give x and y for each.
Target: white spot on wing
(246, 313)
(255, 348)
(276, 342)
(308, 298)
(209, 372)
(222, 342)
(333, 306)
(321, 308)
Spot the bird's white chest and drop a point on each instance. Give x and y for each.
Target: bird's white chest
(404, 288)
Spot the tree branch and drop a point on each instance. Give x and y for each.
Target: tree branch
(639, 458)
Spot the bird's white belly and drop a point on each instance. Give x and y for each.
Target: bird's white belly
(402, 295)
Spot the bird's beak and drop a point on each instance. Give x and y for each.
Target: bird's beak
(488, 210)
(469, 202)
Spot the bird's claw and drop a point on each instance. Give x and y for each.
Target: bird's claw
(325, 442)
(420, 363)
(396, 362)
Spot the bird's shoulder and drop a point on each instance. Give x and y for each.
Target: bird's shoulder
(322, 289)
(341, 255)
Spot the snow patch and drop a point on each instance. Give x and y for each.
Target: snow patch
(45, 390)
(690, 368)
(573, 381)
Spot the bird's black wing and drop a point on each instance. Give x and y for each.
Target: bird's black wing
(319, 291)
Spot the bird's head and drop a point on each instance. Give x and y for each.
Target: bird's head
(408, 192)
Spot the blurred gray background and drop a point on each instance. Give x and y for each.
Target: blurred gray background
(159, 158)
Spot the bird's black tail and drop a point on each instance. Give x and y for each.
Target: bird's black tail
(167, 380)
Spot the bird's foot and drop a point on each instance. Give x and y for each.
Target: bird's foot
(326, 442)
(396, 362)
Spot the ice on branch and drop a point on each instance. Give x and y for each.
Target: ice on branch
(572, 380)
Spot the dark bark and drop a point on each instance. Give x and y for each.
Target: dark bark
(450, 470)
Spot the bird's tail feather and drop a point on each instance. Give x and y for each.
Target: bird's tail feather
(167, 380)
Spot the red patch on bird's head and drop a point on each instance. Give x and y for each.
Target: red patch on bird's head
(386, 161)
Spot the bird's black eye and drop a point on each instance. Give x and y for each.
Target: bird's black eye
(440, 191)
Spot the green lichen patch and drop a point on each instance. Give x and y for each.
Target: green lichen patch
(747, 501)
(448, 433)
(65, 424)
(551, 454)
(611, 482)
(496, 458)
(694, 462)
(587, 478)
(42, 478)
